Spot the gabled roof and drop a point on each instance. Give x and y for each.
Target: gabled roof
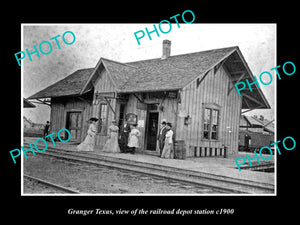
(118, 72)
(267, 124)
(253, 122)
(172, 73)
(158, 74)
(68, 86)
(27, 104)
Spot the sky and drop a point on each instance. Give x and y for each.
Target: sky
(257, 43)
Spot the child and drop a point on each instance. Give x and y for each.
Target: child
(133, 141)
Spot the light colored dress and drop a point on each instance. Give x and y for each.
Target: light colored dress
(168, 147)
(133, 140)
(89, 142)
(112, 144)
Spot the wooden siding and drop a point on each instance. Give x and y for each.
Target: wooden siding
(103, 84)
(131, 107)
(61, 106)
(212, 90)
(168, 113)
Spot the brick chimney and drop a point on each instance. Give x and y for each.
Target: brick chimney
(166, 49)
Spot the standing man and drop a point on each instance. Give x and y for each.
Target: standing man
(46, 130)
(124, 134)
(162, 136)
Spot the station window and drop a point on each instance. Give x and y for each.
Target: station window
(210, 124)
(206, 123)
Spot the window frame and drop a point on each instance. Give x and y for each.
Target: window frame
(217, 124)
(208, 125)
(211, 107)
(102, 132)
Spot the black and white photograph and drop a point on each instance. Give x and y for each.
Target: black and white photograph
(149, 112)
(133, 110)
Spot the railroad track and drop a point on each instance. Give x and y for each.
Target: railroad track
(221, 183)
(51, 185)
(194, 188)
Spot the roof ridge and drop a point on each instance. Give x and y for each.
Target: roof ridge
(127, 79)
(191, 53)
(124, 64)
(109, 74)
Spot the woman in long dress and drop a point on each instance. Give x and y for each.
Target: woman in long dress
(167, 152)
(112, 144)
(89, 142)
(133, 140)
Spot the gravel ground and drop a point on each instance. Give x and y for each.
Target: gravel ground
(100, 180)
(33, 187)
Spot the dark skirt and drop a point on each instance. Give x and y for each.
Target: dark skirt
(123, 141)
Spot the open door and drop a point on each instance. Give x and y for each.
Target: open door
(152, 131)
(74, 124)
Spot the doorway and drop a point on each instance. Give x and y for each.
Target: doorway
(73, 124)
(152, 131)
(121, 115)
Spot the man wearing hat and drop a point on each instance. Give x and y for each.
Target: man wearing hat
(124, 134)
(162, 136)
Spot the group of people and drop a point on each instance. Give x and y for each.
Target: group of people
(126, 141)
(165, 140)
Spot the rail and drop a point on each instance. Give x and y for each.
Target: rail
(49, 184)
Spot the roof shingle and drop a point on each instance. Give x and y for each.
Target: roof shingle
(174, 72)
(70, 85)
(171, 73)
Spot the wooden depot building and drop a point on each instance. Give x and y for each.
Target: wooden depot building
(194, 91)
